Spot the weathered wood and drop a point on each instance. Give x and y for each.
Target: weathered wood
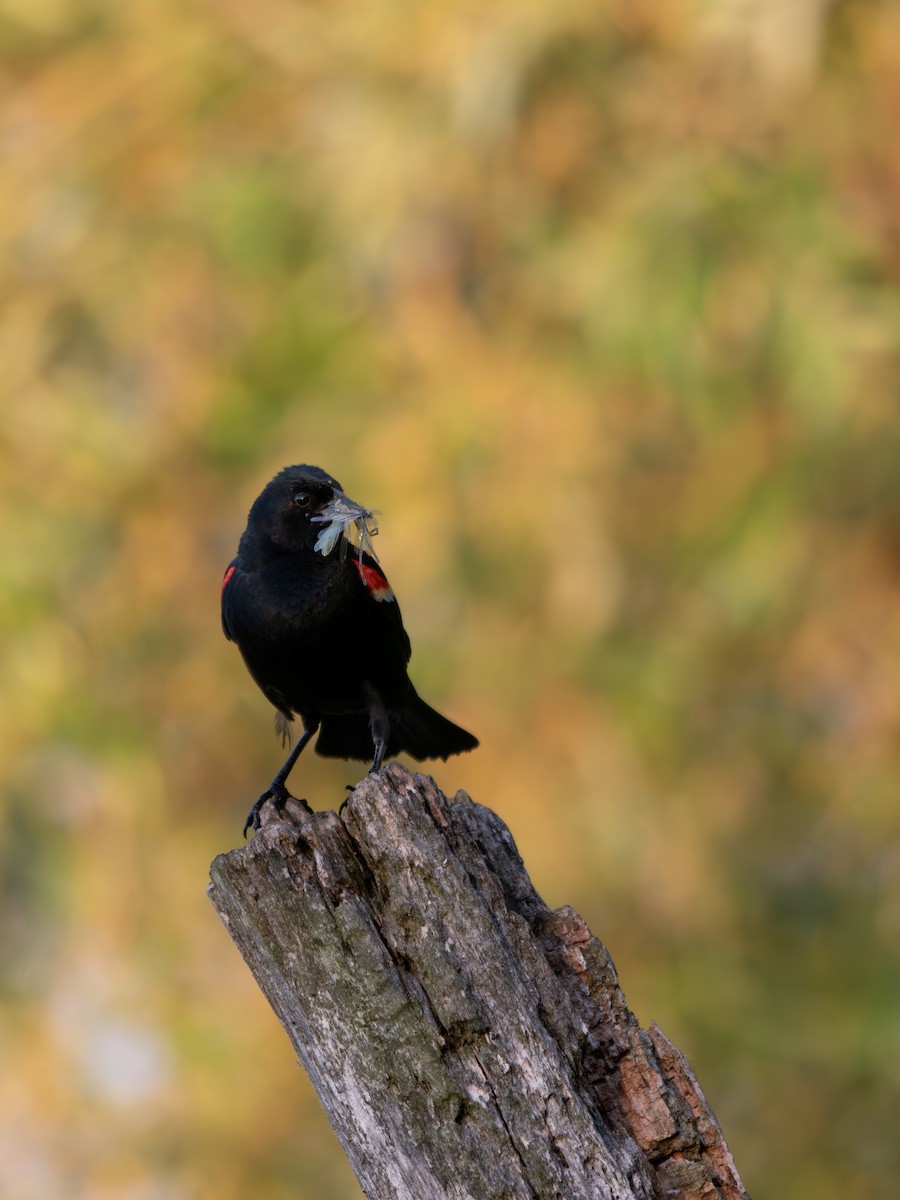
(467, 1042)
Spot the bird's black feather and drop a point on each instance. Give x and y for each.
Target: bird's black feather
(322, 634)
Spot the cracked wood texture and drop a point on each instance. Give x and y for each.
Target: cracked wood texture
(467, 1042)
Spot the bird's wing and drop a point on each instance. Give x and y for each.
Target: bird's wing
(235, 632)
(226, 625)
(380, 600)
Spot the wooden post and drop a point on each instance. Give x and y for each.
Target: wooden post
(467, 1042)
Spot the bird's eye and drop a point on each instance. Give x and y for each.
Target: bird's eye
(301, 499)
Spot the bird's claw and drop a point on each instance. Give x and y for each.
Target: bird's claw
(279, 795)
(346, 800)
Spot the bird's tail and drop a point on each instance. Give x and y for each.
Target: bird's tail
(423, 732)
(416, 729)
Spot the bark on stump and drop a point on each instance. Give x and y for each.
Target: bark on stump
(467, 1042)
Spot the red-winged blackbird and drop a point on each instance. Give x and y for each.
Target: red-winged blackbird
(321, 633)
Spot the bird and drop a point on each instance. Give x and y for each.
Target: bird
(320, 631)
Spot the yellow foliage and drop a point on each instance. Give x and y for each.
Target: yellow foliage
(597, 304)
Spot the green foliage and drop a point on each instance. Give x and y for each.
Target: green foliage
(599, 306)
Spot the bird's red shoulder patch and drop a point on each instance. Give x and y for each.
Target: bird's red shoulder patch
(228, 575)
(374, 581)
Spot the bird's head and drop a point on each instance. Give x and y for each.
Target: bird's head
(303, 508)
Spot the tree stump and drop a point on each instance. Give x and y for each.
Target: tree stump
(467, 1042)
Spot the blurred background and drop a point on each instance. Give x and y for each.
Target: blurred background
(599, 304)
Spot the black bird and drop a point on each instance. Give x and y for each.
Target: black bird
(317, 624)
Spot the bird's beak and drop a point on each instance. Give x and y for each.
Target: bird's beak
(341, 506)
(344, 520)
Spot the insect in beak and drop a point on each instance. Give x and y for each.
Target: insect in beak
(348, 522)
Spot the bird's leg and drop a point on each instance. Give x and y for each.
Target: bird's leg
(379, 724)
(277, 791)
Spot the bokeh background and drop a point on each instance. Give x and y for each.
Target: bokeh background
(599, 304)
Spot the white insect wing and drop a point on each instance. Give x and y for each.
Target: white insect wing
(348, 524)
